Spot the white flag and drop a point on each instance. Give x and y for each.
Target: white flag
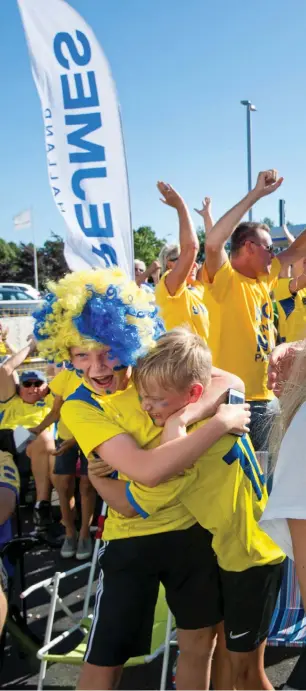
(84, 143)
(23, 220)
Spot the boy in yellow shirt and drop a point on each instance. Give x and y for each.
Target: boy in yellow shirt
(225, 491)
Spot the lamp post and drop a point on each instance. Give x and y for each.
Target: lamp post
(249, 108)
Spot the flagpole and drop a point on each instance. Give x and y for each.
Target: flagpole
(34, 252)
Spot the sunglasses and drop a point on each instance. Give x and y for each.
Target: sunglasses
(172, 259)
(270, 248)
(29, 384)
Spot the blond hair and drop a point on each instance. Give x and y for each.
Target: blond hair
(179, 359)
(293, 396)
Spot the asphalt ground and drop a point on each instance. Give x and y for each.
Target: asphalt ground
(21, 672)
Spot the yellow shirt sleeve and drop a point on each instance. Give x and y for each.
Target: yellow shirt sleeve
(9, 476)
(58, 384)
(222, 282)
(272, 278)
(282, 290)
(88, 425)
(148, 500)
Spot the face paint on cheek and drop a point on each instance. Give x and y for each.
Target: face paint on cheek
(164, 404)
(140, 398)
(108, 392)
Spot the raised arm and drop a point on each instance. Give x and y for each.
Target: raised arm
(295, 252)
(267, 182)
(189, 243)
(152, 269)
(298, 282)
(7, 370)
(206, 214)
(52, 417)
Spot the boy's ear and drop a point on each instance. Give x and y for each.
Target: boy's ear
(195, 392)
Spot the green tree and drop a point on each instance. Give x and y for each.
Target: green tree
(147, 245)
(52, 259)
(268, 221)
(9, 260)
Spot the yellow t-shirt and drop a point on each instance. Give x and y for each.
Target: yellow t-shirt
(226, 492)
(291, 311)
(246, 333)
(15, 412)
(9, 475)
(91, 425)
(63, 385)
(185, 308)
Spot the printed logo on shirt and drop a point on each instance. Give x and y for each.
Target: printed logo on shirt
(264, 336)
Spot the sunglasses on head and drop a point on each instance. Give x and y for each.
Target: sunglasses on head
(28, 384)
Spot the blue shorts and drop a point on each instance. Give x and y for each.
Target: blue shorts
(66, 463)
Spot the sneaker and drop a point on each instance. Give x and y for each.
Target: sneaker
(42, 516)
(69, 547)
(84, 550)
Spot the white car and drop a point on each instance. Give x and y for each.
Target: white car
(31, 292)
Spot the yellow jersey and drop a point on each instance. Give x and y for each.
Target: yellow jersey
(9, 479)
(185, 308)
(291, 311)
(246, 331)
(15, 412)
(226, 492)
(91, 425)
(63, 385)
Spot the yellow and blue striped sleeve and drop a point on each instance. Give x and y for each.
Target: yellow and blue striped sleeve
(9, 476)
(148, 500)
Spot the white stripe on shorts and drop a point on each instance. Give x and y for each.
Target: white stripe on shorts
(99, 594)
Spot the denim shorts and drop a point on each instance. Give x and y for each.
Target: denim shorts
(66, 463)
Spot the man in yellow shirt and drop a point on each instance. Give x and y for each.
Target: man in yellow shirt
(241, 287)
(179, 295)
(27, 404)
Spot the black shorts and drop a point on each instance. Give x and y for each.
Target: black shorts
(67, 462)
(249, 599)
(133, 568)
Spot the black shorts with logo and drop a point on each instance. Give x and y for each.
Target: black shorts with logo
(132, 569)
(249, 599)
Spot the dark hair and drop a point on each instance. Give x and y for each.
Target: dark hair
(245, 231)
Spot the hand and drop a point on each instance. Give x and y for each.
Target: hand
(3, 333)
(206, 207)
(267, 182)
(280, 364)
(237, 418)
(34, 430)
(65, 446)
(99, 468)
(172, 198)
(32, 343)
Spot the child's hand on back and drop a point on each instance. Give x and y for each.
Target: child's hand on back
(236, 418)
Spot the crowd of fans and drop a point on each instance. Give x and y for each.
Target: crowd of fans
(138, 409)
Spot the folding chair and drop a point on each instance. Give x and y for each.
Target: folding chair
(163, 635)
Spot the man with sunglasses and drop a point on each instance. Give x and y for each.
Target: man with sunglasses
(241, 287)
(26, 401)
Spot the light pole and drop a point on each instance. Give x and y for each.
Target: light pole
(249, 107)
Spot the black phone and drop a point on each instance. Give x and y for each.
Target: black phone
(234, 396)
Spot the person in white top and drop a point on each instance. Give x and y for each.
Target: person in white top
(284, 518)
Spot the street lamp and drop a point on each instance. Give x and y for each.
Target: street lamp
(249, 107)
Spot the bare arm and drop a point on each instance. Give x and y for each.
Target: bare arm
(206, 214)
(52, 417)
(216, 256)
(295, 252)
(297, 529)
(188, 239)
(7, 380)
(152, 269)
(150, 467)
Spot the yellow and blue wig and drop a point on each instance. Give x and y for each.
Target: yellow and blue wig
(91, 309)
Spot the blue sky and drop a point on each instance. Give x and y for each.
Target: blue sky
(181, 69)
